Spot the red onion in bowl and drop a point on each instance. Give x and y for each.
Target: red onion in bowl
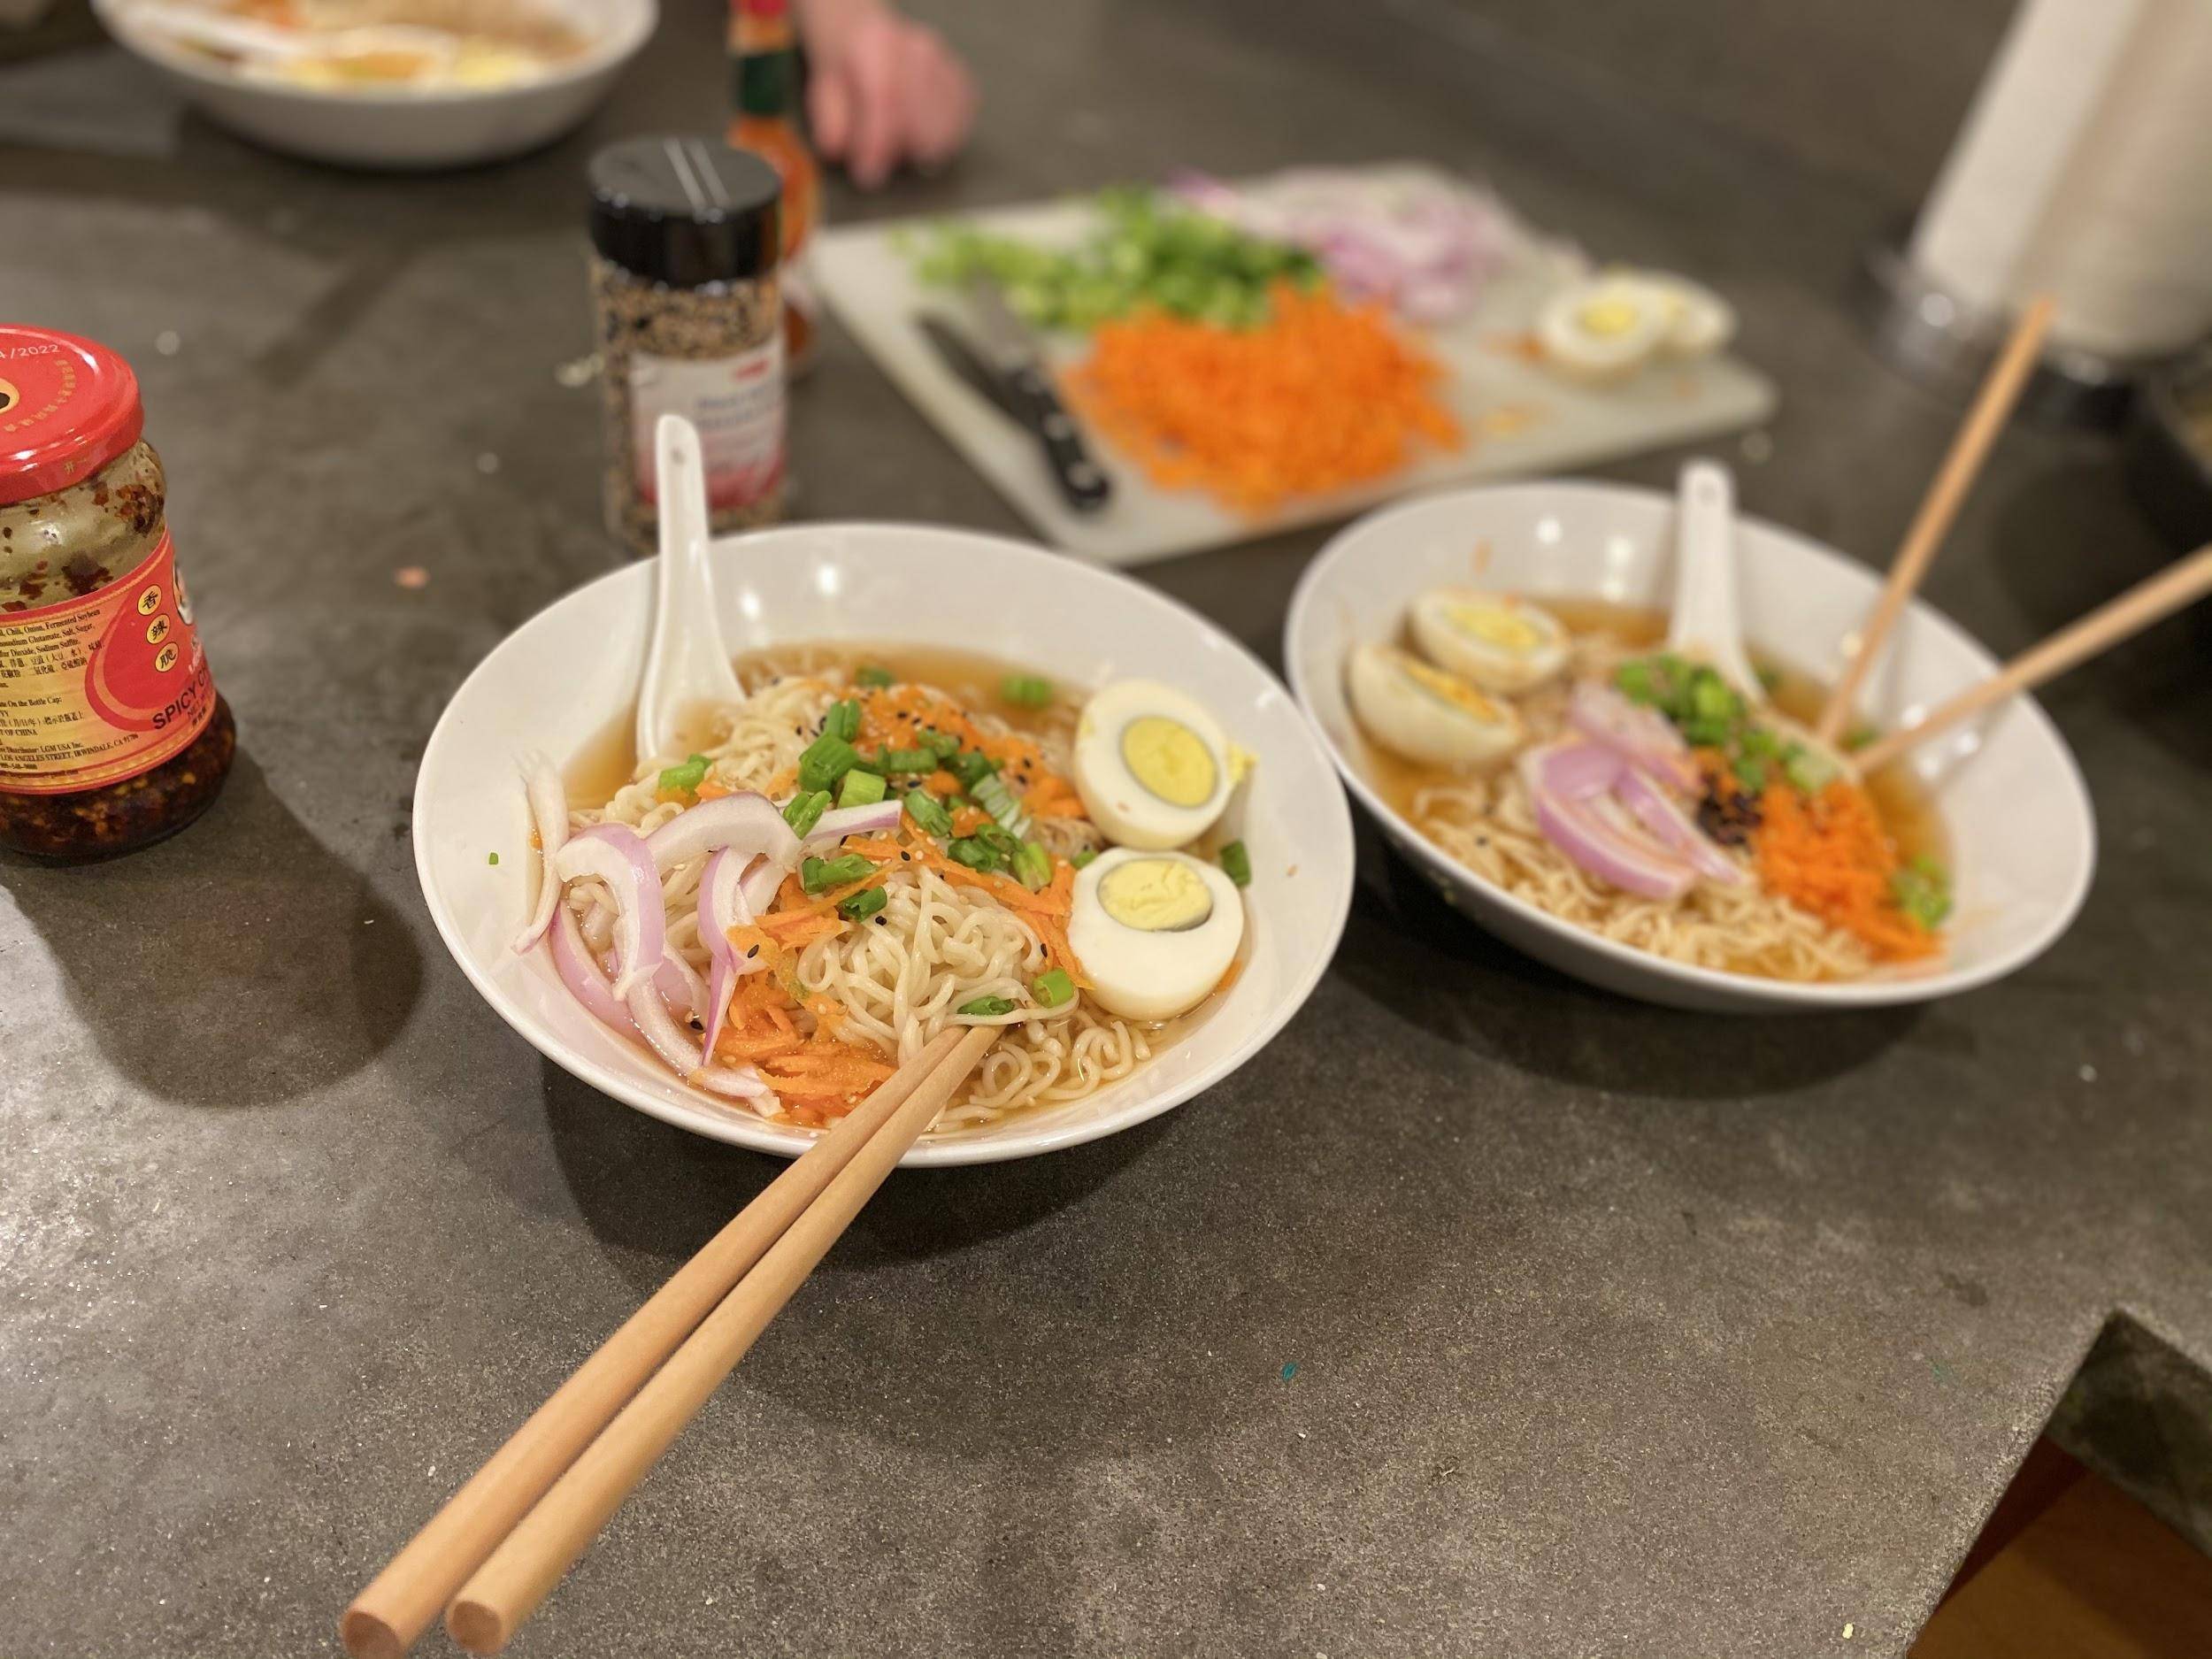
(548, 816)
(1591, 828)
(572, 960)
(1660, 814)
(722, 906)
(879, 819)
(674, 1045)
(617, 854)
(748, 822)
(1641, 735)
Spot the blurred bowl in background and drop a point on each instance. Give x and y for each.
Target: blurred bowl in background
(2170, 452)
(402, 127)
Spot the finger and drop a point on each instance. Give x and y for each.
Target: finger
(829, 107)
(874, 67)
(942, 106)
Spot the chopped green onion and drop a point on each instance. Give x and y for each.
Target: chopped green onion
(1026, 691)
(1752, 774)
(1084, 856)
(977, 855)
(1769, 676)
(995, 797)
(1859, 736)
(1053, 988)
(1807, 769)
(1032, 866)
(1922, 889)
(985, 1008)
(1236, 864)
(972, 767)
(493, 859)
(827, 758)
(1638, 681)
(892, 761)
(942, 744)
(686, 778)
(929, 817)
(860, 788)
(819, 875)
(843, 721)
(875, 678)
(806, 811)
(863, 904)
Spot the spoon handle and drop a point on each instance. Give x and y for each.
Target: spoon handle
(1706, 625)
(686, 663)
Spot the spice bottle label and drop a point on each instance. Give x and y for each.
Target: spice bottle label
(737, 404)
(101, 689)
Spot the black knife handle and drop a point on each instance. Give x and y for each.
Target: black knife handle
(1081, 481)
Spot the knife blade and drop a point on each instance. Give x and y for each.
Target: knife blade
(1010, 351)
(959, 354)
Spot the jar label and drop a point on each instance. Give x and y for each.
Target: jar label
(101, 689)
(737, 404)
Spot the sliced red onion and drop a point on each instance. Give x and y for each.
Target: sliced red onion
(761, 885)
(548, 816)
(617, 854)
(748, 822)
(680, 986)
(1659, 814)
(1642, 736)
(1574, 770)
(722, 906)
(674, 1045)
(572, 959)
(1593, 829)
(879, 819)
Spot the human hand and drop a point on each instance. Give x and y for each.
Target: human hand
(884, 91)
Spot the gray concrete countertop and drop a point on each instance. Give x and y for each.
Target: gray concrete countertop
(1481, 1314)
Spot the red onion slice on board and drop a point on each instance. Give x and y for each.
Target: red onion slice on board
(617, 854)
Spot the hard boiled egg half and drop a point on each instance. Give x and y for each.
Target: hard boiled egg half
(1153, 767)
(1425, 714)
(1501, 643)
(1155, 931)
(1603, 329)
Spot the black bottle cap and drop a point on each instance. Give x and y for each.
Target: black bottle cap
(686, 211)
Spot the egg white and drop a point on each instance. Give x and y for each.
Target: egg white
(1569, 342)
(1489, 664)
(1140, 974)
(1402, 714)
(1118, 803)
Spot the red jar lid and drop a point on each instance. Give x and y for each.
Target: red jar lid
(67, 408)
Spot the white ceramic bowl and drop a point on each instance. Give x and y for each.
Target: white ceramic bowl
(2021, 835)
(403, 128)
(571, 672)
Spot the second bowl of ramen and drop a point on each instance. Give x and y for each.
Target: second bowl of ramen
(1489, 669)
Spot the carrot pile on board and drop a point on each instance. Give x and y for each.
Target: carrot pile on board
(1321, 396)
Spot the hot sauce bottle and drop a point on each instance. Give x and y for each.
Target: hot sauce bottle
(764, 66)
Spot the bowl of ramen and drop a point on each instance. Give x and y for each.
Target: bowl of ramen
(388, 83)
(1489, 669)
(939, 801)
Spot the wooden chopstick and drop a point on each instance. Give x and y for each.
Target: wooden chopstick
(400, 1603)
(2179, 585)
(1993, 407)
(505, 1590)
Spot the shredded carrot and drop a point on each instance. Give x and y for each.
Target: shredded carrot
(714, 789)
(968, 819)
(1321, 396)
(1828, 853)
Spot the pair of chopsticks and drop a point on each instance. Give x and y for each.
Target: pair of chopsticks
(502, 1541)
(2174, 588)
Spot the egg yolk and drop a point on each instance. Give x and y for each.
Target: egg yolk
(1495, 626)
(1156, 896)
(1168, 760)
(1607, 318)
(1450, 688)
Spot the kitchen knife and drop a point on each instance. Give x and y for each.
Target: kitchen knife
(1010, 351)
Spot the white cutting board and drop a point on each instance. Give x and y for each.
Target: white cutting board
(1520, 417)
